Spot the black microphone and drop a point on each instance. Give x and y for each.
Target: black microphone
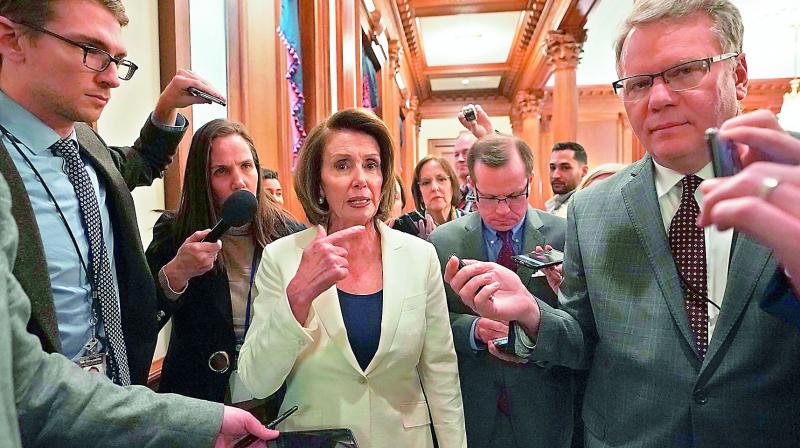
(237, 211)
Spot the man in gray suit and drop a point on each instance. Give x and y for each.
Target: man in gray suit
(664, 314)
(45, 400)
(81, 260)
(506, 404)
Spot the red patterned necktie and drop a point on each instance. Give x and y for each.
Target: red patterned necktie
(506, 251)
(688, 245)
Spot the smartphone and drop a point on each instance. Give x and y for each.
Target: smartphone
(725, 158)
(506, 344)
(197, 92)
(469, 113)
(537, 260)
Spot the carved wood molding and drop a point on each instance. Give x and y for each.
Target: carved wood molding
(564, 49)
(411, 34)
(446, 106)
(520, 53)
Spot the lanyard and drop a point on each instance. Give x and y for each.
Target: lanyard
(253, 268)
(93, 294)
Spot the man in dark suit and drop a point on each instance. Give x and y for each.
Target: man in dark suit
(505, 403)
(665, 314)
(81, 260)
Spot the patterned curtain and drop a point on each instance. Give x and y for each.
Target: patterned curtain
(369, 84)
(289, 32)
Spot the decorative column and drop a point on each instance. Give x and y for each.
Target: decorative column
(409, 153)
(563, 53)
(526, 114)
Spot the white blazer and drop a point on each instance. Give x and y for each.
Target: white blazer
(384, 405)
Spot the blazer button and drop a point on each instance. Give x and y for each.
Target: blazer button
(700, 396)
(362, 380)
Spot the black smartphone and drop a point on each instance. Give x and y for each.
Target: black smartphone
(469, 113)
(725, 158)
(537, 260)
(316, 438)
(197, 92)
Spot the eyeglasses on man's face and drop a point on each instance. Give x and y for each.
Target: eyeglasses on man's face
(685, 76)
(93, 57)
(494, 201)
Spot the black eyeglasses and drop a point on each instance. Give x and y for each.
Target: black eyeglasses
(494, 201)
(681, 77)
(93, 57)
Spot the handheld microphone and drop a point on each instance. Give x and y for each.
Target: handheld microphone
(237, 211)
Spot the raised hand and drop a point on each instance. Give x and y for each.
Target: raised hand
(194, 258)
(426, 226)
(175, 96)
(479, 127)
(323, 264)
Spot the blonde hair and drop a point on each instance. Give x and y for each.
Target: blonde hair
(600, 170)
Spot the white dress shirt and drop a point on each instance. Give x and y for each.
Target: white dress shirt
(718, 243)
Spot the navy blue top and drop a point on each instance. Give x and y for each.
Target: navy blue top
(362, 320)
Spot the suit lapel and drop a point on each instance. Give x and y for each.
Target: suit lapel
(749, 262)
(473, 244)
(641, 203)
(394, 292)
(30, 267)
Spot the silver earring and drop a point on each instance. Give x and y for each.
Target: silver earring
(320, 200)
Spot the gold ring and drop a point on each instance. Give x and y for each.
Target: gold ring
(766, 187)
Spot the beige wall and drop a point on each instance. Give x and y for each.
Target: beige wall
(131, 105)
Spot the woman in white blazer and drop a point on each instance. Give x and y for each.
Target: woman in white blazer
(351, 314)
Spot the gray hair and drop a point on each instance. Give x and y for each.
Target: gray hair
(725, 15)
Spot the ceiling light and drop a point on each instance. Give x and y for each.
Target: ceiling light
(465, 81)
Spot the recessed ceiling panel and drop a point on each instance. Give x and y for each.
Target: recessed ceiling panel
(467, 39)
(465, 83)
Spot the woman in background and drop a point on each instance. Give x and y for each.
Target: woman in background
(342, 317)
(206, 287)
(435, 192)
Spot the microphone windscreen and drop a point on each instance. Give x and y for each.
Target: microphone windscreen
(239, 208)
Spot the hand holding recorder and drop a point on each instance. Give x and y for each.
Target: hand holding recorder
(765, 195)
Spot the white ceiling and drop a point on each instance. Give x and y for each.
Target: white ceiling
(465, 83)
(466, 39)
(768, 40)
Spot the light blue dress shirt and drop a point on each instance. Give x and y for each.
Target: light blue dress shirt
(492, 244)
(68, 279)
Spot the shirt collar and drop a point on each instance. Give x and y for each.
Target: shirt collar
(667, 178)
(34, 135)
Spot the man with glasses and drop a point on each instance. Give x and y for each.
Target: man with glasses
(506, 404)
(81, 260)
(663, 313)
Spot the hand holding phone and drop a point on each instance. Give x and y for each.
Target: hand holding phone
(211, 98)
(541, 259)
(725, 159)
(250, 439)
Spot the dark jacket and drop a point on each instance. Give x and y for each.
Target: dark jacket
(202, 320)
(120, 169)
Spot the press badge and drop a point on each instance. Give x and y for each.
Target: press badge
(92, 361)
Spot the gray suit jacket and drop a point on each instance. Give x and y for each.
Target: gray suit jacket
(121, 169)
(622, 313)
(540, 399)
(46, 400)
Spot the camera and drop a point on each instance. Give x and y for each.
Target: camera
(469, 112)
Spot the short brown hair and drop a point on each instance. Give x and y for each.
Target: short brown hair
(724, 14)
(308, 179)
(416, 192)
(492, 150)
(39, 12)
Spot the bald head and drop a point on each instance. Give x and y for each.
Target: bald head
(460, 148)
